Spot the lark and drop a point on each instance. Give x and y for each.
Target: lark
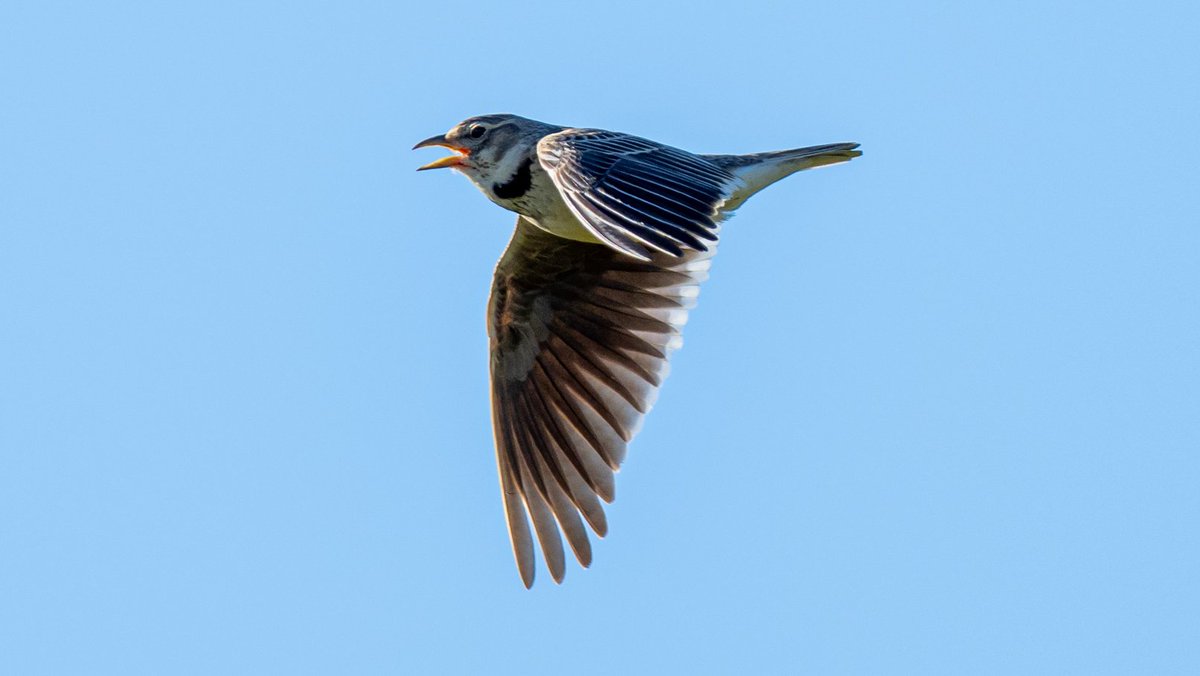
(614, 235)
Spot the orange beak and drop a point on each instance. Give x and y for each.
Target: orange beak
(443, 142)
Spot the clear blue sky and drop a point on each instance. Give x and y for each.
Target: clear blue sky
(938, 410)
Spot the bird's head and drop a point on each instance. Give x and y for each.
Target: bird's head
(489, 148)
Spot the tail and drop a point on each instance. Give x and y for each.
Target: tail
(760, 170)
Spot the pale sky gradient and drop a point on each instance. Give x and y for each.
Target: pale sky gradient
(938, 410)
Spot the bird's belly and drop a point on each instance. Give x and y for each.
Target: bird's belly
(544, 207)
(564, 224)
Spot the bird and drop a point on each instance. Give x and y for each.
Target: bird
(614, 235)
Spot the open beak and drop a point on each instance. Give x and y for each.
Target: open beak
(441, 141)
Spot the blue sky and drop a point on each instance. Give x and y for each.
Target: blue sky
(937, 411)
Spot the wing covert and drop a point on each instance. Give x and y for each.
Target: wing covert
(637, 195)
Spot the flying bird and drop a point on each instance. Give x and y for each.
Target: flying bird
(614, 234)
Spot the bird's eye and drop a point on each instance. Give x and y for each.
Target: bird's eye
(477, 131)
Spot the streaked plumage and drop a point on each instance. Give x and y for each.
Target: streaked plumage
(614, 236)
(635, 194)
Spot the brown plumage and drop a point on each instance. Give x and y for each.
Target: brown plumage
(580, 336)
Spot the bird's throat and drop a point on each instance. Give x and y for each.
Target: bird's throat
(518, 185)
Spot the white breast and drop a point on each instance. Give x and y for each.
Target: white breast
(545, 207)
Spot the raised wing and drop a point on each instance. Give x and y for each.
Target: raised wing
(580, 336)
(637, 195)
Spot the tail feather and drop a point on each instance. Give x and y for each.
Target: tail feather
(759, 170)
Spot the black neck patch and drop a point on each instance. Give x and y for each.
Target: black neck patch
(517, 185)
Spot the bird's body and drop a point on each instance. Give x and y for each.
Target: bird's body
(614, 235)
